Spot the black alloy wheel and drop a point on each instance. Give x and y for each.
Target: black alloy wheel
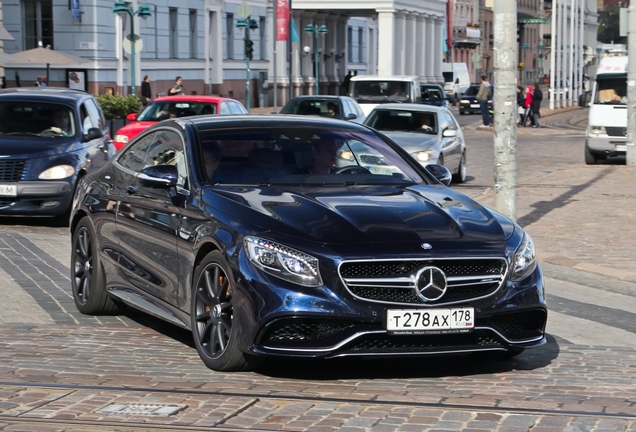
(214, 318)
(87, 275)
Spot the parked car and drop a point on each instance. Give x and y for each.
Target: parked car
(430, 134)
(343, 107)
(49, 138)
(175, 106)
(469, 103)
(433, 94)
(215, 225)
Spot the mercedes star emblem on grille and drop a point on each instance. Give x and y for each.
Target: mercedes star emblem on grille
(430, 284)
(426, 246)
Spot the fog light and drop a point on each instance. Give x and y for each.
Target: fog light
(49, 203)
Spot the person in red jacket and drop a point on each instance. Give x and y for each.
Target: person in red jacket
(527, 105)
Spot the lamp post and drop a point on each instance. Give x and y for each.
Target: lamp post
(316, 30)
(541, 47)
(247, 24)
(121, 9)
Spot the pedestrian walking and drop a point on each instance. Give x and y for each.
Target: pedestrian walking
(146, 93)
(537, 97)
(483, 95)
(527, 105)
(41, 81)
(345, 83)
(520, 101)
(177, 88)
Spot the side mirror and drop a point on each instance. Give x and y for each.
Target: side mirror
(449, 133)
(440, 172)
(93, 133)
(159, 176)
(352, 116)
(131, 117)
(457, 81)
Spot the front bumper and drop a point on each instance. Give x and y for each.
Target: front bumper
(606, 146)
(37, 198)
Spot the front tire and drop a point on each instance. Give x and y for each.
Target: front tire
(460, 176)
(88, 281)
(215, 317)
(590, 159)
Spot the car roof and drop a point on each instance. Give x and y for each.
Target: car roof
(385, 78)
(409, 107)
(318, 97)
(193, 98)
(267, 120)
(59, 94)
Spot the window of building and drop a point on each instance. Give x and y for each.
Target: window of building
(38, 23)
(350, 43)
(193, 33)
(229, 36)
(360, 46)
(263, 38)
(174, 36)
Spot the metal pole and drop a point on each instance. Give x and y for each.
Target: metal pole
(132, 53)
(316, 60)
(275, 42)
(247, 70)
(505, 107)
(553, 46)
(631, 86)
(571, 51)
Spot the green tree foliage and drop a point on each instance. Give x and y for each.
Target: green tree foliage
(609, 25)
(118, 107)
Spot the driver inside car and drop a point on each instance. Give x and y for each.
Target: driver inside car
(324, 156)
(62, 122)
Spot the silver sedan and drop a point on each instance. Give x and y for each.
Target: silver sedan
(429, 133)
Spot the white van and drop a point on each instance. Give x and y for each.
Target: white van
(456, 80)
(372, 90)
(606, 133)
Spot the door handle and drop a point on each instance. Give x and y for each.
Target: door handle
(132, 189)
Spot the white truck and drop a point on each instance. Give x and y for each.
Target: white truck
(456, 80)
(606, 133)
(372, 90)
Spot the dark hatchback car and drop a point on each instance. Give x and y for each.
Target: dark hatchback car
(340, 107)
(218, 225)
(49, 139)
(468, 102)
(433, 94)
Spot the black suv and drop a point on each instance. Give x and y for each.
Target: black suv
(468, 102)
(49, 138)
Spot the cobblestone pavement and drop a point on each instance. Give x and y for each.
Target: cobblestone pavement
(61, 371)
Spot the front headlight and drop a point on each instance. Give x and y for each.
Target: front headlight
(57, 172)
(596, 130)
(121, 138)
(424, 156)
(464, 101)
(283, 262)
(525, 259)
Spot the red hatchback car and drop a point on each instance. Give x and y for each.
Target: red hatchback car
(174, 106)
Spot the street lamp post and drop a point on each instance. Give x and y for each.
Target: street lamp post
(247, 24)
(311, 28)
(121, 9)
(541, 47)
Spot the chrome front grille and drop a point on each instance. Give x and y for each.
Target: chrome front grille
(393, 281)
(11, 170)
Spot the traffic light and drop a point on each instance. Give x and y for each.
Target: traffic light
(249, 49)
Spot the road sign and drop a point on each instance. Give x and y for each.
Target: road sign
(244, 10)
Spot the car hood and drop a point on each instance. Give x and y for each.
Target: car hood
(354, 215)
(26, 147)
(133, 129)
(413, 141)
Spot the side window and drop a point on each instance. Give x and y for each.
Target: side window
(225, 109)
(452, 124)
(94, 114)
(85, 119)
(240, 109)
(167, 149)
(133, 158)
(347, 109)
(235, 108)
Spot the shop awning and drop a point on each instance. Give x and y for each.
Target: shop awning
(526, 18)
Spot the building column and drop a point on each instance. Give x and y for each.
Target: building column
(437, 56)
(386, 42)
(400, 41)
(341, 47)
(410, 46)
(330, 55)
(307, 40)
(420, 53)
(430, 50)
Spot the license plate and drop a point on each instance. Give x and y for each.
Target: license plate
(8, 190)
(419, 321)
(621, 147)
(474, 105)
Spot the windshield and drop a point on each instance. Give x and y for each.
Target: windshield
(448, 76)
(611, 90)
(157, 111)
(471, 91)
(324, 108)
(403, 120)
(381, 91)
(302, 156)
(432, 94)
(36, 119)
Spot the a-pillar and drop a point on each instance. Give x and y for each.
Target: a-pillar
(386, 42)
(420, 53)
(437, 57)
(330, 55)
(410, 46)
(307, 64)
(429, 42)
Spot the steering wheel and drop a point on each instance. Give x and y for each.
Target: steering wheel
(52, 131)
(352, 169)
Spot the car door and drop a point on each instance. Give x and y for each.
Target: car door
(451, 145)
(148, 221)
(98, 149)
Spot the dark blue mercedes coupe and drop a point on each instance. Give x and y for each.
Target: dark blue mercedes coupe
(291, 236)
